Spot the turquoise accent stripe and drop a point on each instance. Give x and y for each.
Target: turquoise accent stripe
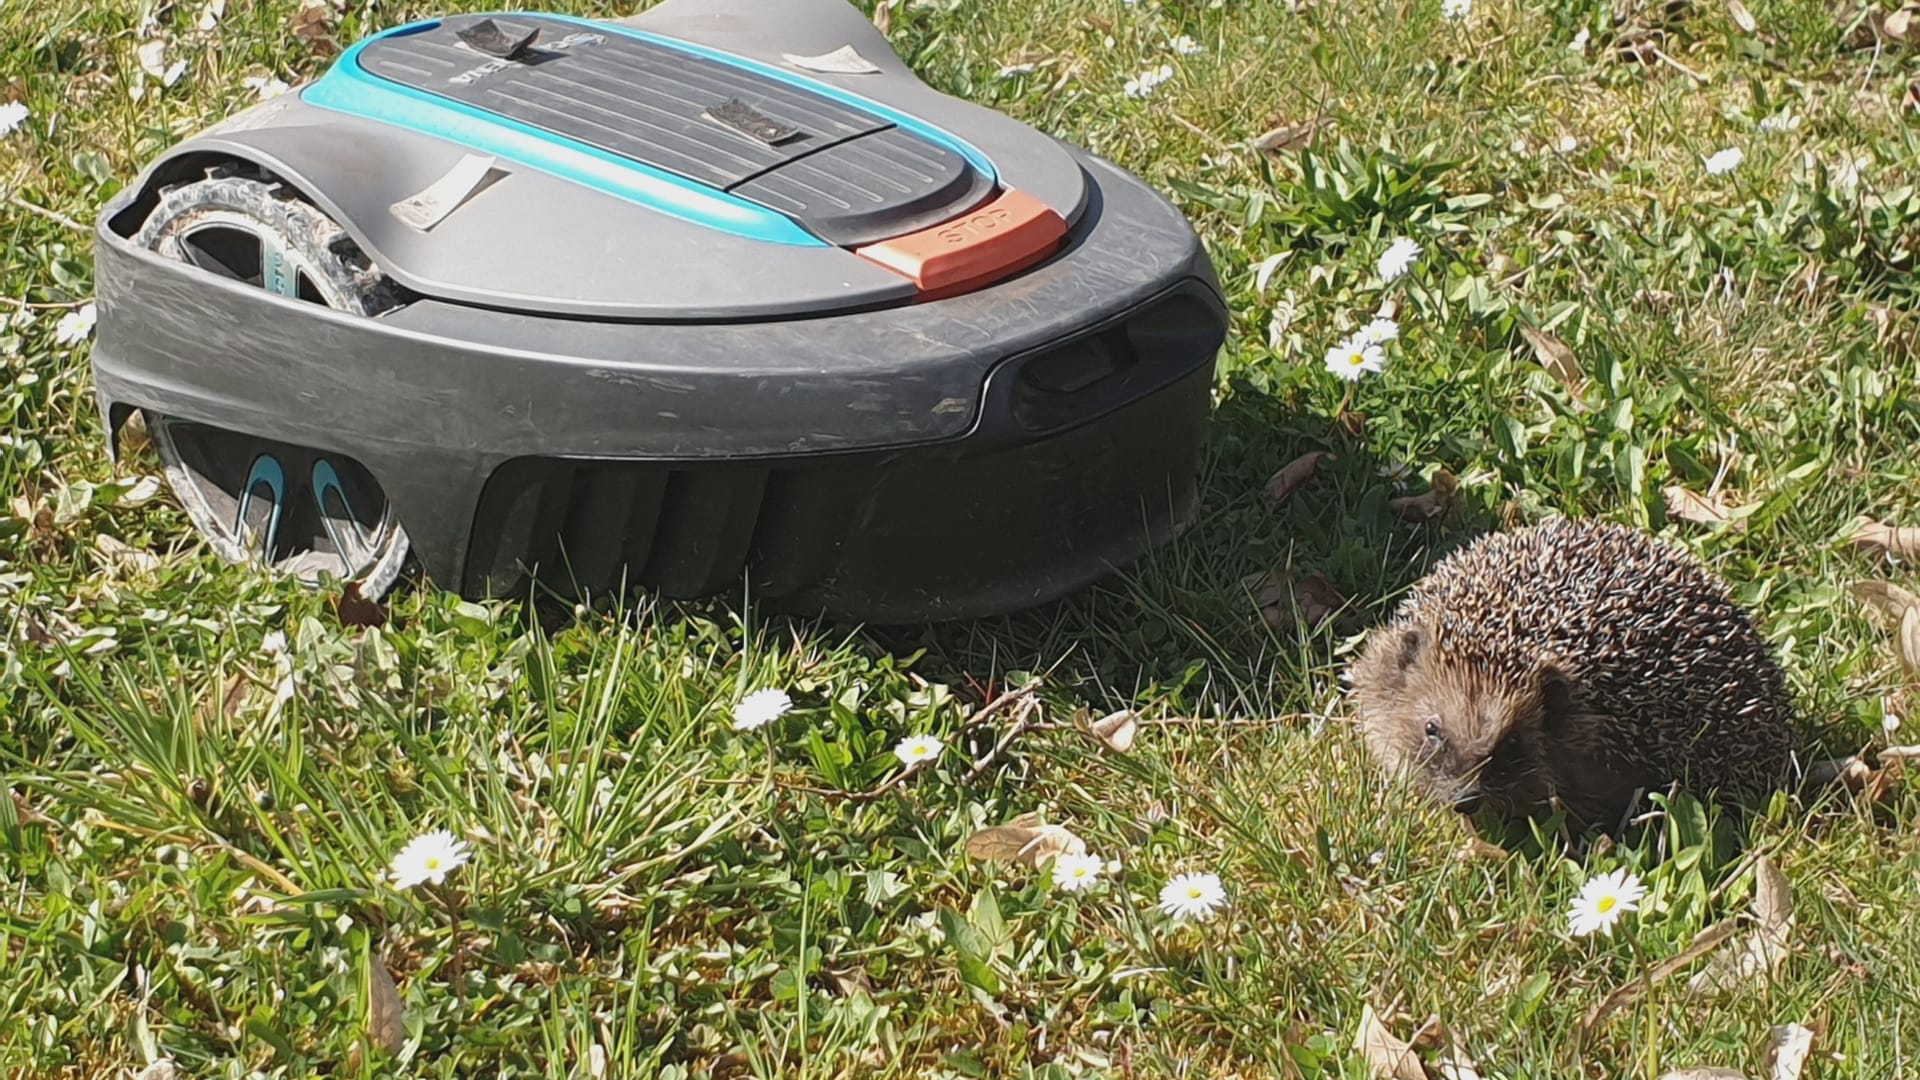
(349, 88)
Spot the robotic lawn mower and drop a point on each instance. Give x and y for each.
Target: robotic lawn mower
(718, 292)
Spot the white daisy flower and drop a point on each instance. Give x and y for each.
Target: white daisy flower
(75, 326)
(915, 749)
(1398, 258)
(1186, 46)
(12, 115)
(1782, 121)
(760, 708)
(1725, 161)
(1192, 896)
(1396, 473)
(264, 88)
(1602, 901)
(1077, 873)
(428, 858)
(1567, 144)
(1378, 332)
(1455, 10)
(1148, 81)
(1354, 359)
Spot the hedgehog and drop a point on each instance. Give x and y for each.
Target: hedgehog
(1573, 665)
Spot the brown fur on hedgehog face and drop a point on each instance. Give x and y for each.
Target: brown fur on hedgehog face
(1471, 739)
(1464, 737)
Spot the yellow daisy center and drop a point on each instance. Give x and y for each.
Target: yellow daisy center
(433, 862)
(1195, 893)
(1606, 904)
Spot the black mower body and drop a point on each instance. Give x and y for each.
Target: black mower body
(668, 341)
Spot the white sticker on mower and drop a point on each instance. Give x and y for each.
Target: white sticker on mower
(442, 197)
(844, 60)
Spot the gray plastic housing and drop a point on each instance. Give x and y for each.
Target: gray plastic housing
(532, 241)
(685, 359)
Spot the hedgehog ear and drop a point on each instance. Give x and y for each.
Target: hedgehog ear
(1407, 653)
(1556, 699)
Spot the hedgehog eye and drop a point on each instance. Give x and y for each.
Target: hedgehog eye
(1433, 730)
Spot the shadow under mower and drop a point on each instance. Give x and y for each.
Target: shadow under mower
(719, 291)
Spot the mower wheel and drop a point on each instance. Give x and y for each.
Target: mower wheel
(303, 511)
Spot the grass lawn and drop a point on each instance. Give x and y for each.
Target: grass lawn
(210, 773)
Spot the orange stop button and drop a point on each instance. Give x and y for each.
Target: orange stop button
(1001, 237)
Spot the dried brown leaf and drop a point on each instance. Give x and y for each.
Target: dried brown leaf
(312, 22)
(850, 981)
(1655, 300)
(1889, 599)
(1293, 476)
(116, 556)
(386, 1016)
(1481, 849)
(227, 705)
(1772, 894)
(1863, 32)
(134, 438)
(1744, 961)
(883, 17)
(1898, 25)
(1288, 135)
(1557, 357)
(1430, 506)
(1280, 596)
(1117, 730)
(1760, 953)
(1792, 1046)
(1705, 943)
(38, 517)
(1025, 841)
(1388, 1058)
(1700, 509)
(1874, 784)
(1900, 540)
(1742, 18)
(1906, 643)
